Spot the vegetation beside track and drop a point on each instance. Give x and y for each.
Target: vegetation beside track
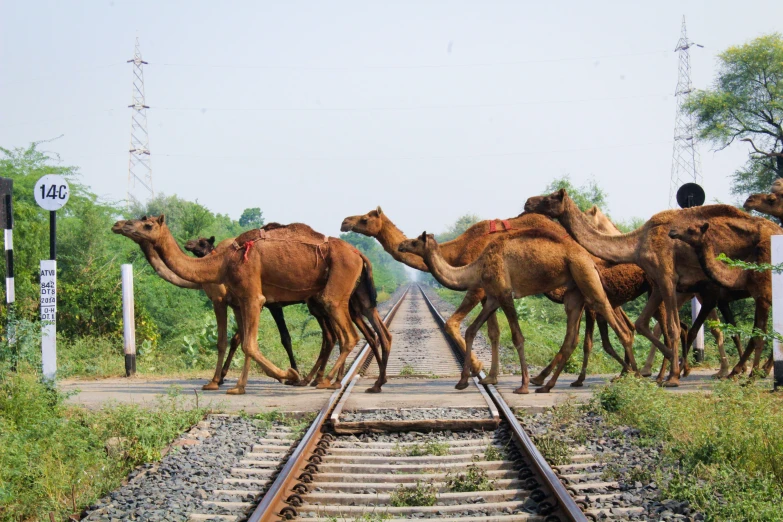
(722, 450)
(59, 458)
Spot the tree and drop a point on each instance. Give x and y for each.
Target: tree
(585, 196)
(461, 225)
(252, 218)
(746, 103)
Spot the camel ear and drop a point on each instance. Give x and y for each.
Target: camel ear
(143, 218)
(424, 236)
(561, 193)
(161, 219)
(211, 240)
(379, 210)
(592, 210)
(705, 227)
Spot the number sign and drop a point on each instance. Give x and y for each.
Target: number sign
(52, 192)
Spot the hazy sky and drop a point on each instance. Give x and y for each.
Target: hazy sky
(314, 111)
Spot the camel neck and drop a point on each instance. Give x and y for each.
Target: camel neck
(206, 270)
(454, 278)
(729, 277)
(390, 238)
(613, 248)
(162, 270)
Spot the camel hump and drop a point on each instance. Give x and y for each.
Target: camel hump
(298, 232)
(540, 233)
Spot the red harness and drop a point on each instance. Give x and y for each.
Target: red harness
(493, 226)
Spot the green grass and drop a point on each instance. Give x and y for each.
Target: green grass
(724, 447)
(422, 494)
(420, 450)
(53, 457)
(474, 479)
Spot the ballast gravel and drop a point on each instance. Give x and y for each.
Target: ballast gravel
(625, 461)
(186, 476)
(415, 414)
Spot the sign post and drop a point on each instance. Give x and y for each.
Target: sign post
(128, 320)
(692, 195)
(51, 193)
(777, 310)
(7, 217)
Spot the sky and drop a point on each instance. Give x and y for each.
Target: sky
(314, 111)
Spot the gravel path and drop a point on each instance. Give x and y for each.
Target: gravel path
(416, 414)
(194, 473)
(622, 460)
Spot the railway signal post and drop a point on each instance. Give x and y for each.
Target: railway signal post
(692, 195)
(777, 310)
(7, 216)
(51, 193)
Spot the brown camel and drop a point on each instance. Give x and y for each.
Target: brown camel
(525, 262)
(603, 224)
(769, 204)
(363, 303)
(671, 266)
(297, 263)
(757, 284)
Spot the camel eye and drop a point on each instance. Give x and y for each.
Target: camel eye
(148, 227)
(364, 220)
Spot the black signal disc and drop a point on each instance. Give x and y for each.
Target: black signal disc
(690, 195)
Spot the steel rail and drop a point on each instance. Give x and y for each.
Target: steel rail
(566, 504)
(273, 501)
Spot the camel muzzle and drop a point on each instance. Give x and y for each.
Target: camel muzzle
(346, 226)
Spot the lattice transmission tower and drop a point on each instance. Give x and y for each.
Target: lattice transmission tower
(139, 165)
(686, 164)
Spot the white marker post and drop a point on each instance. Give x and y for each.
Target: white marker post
(698, 342)
(128, 320)
(51, 193)
(777, 310)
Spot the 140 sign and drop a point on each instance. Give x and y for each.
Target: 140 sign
(52, 192)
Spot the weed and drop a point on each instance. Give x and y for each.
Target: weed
(420, 450)
(555, 451)
(373, 517)
(421, 494)
(474, 479)
(492, 453)
(407, 370)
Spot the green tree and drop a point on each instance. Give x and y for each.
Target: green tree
(461, 225)
(252, 218)
(746, 103)
(585, 196)
(186, 219)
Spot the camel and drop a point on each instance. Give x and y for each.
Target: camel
(757, 284)
(533, 260)
(363, 304)
(670, 265)
(297, 263)
(603, 224)
(770, 204)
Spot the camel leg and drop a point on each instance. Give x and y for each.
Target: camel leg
(221, 317)
(285, 337)
(587, 347)
(574, 304)
(372, 341)
(539, 379)
(646, 370)
(470, 334)
(671, 312)
(236, 340)
(507, 303)
(755, 344)
(728, 317)
(589, 282)
(251, 309)
(707, 310)
(452, 326)
(493, 330)
(327, 344)
(719, 340)
(384, 338)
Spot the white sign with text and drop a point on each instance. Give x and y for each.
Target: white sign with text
(52, 192)
(49, 317)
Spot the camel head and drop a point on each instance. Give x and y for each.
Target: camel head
(552, 205)
(418, 246)
(144, 229)
(777, 186)
(600, 222)
(692, 235)
(370, 224)
(771, 204)
(201, 247)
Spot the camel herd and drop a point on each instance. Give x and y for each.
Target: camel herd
(579, 259)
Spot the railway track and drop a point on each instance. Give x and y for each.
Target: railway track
(334, 476)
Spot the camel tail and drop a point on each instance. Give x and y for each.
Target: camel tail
(368, 281)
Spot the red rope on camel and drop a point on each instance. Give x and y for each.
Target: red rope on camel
(248, 246)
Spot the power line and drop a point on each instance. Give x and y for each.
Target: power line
(60, 74)
(422, 66)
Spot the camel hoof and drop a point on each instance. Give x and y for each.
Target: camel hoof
(543, 389)
(577, 384)
(461, 385)
(336, 385)
(522, 390)
(323, 385)
(686, 372)
(301, 383)
(221, 382)
(314, 383)
(671, 384)
(236, 391)
(722, 374)
(212, 385)
(646, 373)
(374, 389)
(292, 376)
(538, 380)
(488, 380)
